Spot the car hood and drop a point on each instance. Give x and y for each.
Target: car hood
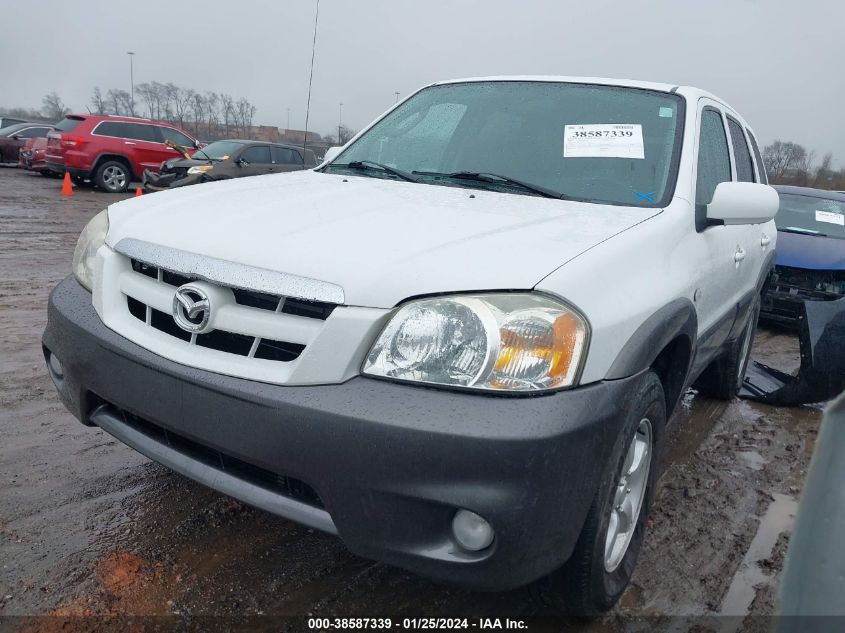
(813, 252)
(381, 240)
(183, 163)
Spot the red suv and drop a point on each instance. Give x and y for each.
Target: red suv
(112, 151)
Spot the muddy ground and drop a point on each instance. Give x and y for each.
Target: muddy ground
(89, 527)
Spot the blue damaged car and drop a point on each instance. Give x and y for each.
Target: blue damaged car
(810, 264)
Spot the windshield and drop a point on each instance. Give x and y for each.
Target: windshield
(219, 150)
(806, 214)
(587, 142)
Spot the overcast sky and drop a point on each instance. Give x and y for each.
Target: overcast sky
(778, 62)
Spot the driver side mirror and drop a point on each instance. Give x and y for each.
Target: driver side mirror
(241, 162)
(16, 137)
(331, 154)
(197, 144)
(743, 203)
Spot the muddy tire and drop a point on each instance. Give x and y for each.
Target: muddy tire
(597, 573)
(723, 377)
(113, 176)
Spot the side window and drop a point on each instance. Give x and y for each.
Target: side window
(34, 132)
(175, 136)
(758, 158)
(742, 157)
(256, 155)
(111, 128)
(285, 156)
(142, 132)
(714, 161)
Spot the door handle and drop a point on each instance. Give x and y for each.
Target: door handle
(129, 143)
(739, 255)
(765, 240)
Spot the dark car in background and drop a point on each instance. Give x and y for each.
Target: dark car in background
(6, 121)
(112, 151)
(14, 137)
(810, 264)
(222, 160)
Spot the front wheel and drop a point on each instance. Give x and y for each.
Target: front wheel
(603, 561)
(112, 176)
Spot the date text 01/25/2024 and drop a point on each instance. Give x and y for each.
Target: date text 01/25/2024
(387, 624)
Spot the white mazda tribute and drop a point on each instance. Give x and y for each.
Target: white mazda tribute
(456, 343)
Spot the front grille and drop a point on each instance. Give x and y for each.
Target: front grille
(276, 482)
(223, 341)
(298, 307)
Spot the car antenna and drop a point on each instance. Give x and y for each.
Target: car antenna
(310, 79)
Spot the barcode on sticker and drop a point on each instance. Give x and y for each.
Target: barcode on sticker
(606, 140)
(830, 217)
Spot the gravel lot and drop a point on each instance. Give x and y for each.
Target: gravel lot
(89, 527)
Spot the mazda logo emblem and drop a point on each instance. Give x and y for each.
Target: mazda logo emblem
(191, 309)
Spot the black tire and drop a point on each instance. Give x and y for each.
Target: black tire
(113, 176)
(723, 378)
(584, 587)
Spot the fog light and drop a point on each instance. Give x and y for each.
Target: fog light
(472, 532)
(56, 367)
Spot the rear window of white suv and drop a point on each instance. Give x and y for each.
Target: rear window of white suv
(598, 143)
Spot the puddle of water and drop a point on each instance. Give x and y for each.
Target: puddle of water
(779, 518)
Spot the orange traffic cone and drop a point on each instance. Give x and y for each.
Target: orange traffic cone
(138, 192)
(67, 187)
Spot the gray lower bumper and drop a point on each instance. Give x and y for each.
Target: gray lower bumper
(389, 463)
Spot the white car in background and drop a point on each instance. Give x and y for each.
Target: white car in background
(456, 343)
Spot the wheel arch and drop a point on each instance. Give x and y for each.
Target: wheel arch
(118, 157)
(665, 342)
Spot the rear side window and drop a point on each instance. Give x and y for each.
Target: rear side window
(714, 162)
(111, 128)
(758, 158)
(742, 157)
(285, 156)
(255, 155)
(68, 124)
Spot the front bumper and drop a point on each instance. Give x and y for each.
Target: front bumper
(157, 181)
(388, 464)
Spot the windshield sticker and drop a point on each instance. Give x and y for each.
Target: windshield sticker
(610, 140)
(645, 196)
(665, 113)
(830, 217)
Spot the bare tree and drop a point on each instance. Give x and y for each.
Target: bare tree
(182, 101)
(98, 101)
(782, 157)
(245, 113)
(823, 173)
(53, 108)
(230, 118)
(345, 134)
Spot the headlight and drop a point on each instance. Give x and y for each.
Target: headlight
(504, 342)
(200, 169)
(93, 236)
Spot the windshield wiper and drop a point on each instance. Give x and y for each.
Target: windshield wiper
(363, 165)
(481, 176)
(798, 229)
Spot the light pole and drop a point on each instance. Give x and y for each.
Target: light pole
(131, 82)
(288, 118)
(397, 97)
(339, 124)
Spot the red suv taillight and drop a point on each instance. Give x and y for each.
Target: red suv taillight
(71, 141)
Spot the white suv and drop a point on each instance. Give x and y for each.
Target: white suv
(457, 342)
